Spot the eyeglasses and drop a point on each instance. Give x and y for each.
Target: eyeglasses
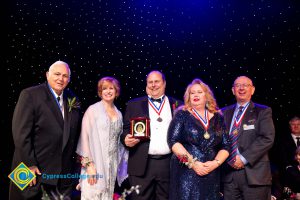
(238, 85)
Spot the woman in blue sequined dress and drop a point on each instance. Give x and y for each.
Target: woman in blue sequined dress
(200, 144)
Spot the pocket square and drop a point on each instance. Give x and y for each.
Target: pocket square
(248, 127)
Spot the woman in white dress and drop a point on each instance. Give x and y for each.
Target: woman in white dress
(103, 157)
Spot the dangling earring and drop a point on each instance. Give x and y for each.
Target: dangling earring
(206, 105)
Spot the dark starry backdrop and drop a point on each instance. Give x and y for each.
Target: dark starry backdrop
(215, 40)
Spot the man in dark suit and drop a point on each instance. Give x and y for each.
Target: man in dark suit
(288, 144)
(247, 174)
(149, 160)
(45, 127)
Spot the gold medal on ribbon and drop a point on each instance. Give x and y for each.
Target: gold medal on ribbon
(204, 122)
(206, 135)
(235, 132)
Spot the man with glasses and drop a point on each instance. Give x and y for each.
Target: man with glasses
(246, 174)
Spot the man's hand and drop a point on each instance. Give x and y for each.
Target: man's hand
(35, 171)
(273, 197)
(238, 163)
(130, 141)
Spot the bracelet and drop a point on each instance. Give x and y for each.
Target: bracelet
(218, 162)
(188, 161)
(85, 161)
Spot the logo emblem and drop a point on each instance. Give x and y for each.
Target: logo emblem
(21, 176)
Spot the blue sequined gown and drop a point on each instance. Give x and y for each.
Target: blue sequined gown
(185, 184)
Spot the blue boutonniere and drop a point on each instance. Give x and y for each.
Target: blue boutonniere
(73, 104)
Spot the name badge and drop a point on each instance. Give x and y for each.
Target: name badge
(248, 127)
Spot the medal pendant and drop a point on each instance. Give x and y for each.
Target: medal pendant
(159, 119)
(206, 135)
(235, 132)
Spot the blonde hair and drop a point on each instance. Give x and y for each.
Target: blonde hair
(211, 103)
(110, 80)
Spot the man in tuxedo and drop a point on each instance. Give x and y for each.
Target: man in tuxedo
(45, 128)
(247, 175)
(149, 160)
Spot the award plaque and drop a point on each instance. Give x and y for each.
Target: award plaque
(140, 128)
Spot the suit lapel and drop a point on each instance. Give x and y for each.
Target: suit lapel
(67, 120)
(229, 116)
(171, 103)
(247, 116)
(248, 113)
(145, 107)
(52, 104)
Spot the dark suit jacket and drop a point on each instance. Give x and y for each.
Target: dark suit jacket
(253, 143)
(287, 148)
(292, 178)
(41, 136)
(138, 155)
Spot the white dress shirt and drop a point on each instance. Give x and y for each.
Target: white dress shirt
(159, 130)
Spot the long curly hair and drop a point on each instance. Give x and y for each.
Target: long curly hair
(211, 103)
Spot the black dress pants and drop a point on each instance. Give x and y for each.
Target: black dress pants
(154, 185)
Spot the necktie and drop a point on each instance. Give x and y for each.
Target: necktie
(157, 100)
(58, 100)
(234, 137)
(298, 141)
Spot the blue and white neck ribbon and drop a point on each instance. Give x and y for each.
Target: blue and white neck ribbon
(238, 121)
(155, 108)
(204, 122)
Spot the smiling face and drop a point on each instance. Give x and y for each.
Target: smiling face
(107, 92)
(58, 76)
(243, 89)
(156, 85)
(108, 88)
(197, 96)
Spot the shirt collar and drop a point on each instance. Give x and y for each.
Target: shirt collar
(54, 93)
(157, 98)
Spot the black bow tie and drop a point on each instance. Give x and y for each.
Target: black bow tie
(157, 100)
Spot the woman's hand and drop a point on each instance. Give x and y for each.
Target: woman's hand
(92, 174)
(211, 165)
(200, 169)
